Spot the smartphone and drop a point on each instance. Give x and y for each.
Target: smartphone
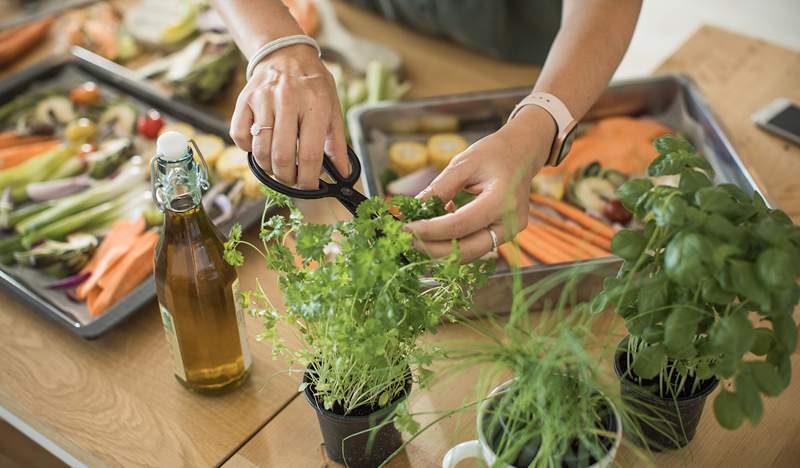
(781, 117)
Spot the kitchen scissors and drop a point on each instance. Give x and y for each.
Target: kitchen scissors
(341, 189)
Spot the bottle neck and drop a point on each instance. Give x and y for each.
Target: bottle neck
(178, 184)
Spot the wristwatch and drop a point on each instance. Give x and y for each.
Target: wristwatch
(565, 123)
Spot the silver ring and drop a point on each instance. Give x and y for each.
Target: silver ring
(494, 239)
(255, 129)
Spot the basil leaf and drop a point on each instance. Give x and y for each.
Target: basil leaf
(648, 362)
(685, 257)
(785, 331)
(680, 328)
(727, 410)
(715, 200)
(746, 283)
(776, 269)
(630, 192)
(670, 212)
(671, 143)
(733, 334)
(767, 378)
(762, 341)
(749, 398)
(693, 180)
(628, 244)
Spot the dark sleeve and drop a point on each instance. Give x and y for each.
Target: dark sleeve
(516, 30)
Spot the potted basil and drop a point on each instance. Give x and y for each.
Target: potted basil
(555, 411)
(359, 313)
(707, 291)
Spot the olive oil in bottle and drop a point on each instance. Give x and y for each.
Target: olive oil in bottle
(197, 289)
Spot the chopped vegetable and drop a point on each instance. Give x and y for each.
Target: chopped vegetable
(305, 13)
(15, 155)
(591, 194)
(406, 157)
(19, 40)
(150, 124)
(122, 233)
(161, 23)
(438, 123)
(54, 110)
(576, 215)
(444, 147)
(404, 125)
(513, 256)
(549, 185)
(413, 183)
(208, 74)
(11, 139)
(210, 146)
(57, 188)
(119, 120)
(187, 130)
(540, 249)
(36, 168)
(615, 212)
(80, 130)
(109, 156)
(573, 251)
(87, 94)
(581, 244)
(59, 258)
(69, 282)
(6, 205)
(125, 274)
(124, 183)
(252, 186)
(577, 231)
(232, 165)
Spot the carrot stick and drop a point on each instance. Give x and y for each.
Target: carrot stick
(575, 214)
(10, 157)
(598, 240)
(590, 249)
(569, 249)
(540, 249)
(513, 256)
(22, 38)
(104, 264)
(17, 141)
(127, 274)
(123, 232)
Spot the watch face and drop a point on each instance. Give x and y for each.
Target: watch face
(567, 144)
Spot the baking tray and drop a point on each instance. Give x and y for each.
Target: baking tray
(75, 68)
(671, 99)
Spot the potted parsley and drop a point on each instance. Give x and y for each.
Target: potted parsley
(555, 410)
(359, 313)
(707, 291)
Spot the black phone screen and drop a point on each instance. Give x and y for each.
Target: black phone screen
(788, 119)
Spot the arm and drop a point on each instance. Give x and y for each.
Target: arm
(594, 36)
(290, 91)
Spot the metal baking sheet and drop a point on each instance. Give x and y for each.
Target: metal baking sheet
(73, 69)
(673, 100)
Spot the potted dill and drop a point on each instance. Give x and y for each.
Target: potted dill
(707, 291)
(359, 313)
(555, 409)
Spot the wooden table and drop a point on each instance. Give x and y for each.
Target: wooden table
(113, 401)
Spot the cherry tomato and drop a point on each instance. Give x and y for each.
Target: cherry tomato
(150, 123)
(87, 94)
(615, 212)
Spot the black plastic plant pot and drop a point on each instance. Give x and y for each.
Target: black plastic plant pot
(663, 423)
(356, 451)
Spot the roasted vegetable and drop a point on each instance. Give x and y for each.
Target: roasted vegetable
(55, 111)
(443, 147)
(109, 156)
(232, 164)
(59, 258)
(87, 94)
(37, 168)
(118, 120)
(210, 146)
(150, 124)
(438, 123)
(210, 72)
(81, 130)
(406, 157)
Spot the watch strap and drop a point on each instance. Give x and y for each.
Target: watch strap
(560, 114)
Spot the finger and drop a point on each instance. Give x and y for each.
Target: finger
(336, 143)
(241, 121)
(470, 247)
(448, 183)
(264, 116)
(479, 213)
(284, 144)
(313, 129)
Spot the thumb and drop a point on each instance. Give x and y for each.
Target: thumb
(447, 184)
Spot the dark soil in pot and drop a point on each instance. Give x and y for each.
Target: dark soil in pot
(355, 450)
(578, 456)
(665, 423)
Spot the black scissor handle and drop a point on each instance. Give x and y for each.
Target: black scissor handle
(342, 190)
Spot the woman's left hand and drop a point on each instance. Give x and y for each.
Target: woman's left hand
(498, 169)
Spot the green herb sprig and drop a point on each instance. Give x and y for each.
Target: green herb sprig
(360, 311)
(707, 260)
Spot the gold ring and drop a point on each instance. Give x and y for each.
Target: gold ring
(494, 239)
(255, 129)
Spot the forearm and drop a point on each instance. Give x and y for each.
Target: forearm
(253, 23)
(593, 39)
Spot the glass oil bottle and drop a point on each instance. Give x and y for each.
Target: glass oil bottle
(197, 289)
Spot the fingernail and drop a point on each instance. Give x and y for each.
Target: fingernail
(450, 206)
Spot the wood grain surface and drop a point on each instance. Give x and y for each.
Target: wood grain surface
(724, 65)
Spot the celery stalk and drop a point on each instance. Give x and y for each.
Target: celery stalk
(10, 244)
(59, 230)
(26, 212)
(377, 81)
(91, 197)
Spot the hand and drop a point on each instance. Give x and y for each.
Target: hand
(292, 92)
(498, 169)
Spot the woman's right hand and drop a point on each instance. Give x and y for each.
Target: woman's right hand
(292, 92)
